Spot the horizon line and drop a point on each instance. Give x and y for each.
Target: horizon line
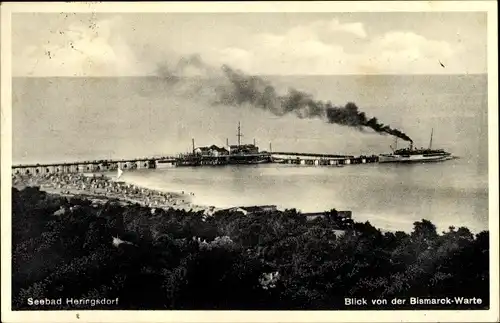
(259, 75)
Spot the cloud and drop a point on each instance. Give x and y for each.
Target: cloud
(408, 53)
(401, 41)
(235, 57)
(328, 28)
(113, 47)
(355, 28)
(302, 51)
(80, 49)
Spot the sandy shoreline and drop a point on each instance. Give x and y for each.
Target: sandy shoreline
(103, 187)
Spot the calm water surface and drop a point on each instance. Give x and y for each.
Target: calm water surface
(389, 196)
(67, 119)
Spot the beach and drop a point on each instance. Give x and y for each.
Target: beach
(100, 188)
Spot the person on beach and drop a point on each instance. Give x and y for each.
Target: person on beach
(73, 184)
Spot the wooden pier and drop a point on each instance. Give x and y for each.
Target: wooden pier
(321, 159)
(91, 166)
(94, 166)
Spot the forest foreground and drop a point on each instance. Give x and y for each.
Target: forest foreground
(145, 258)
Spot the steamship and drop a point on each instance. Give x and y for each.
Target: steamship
(234, 154)
(247, 153)
(414, 155)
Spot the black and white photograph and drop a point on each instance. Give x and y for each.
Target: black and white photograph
(288, 158)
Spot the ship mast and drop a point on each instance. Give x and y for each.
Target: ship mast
(239, 134)
(395, 145)
(430, 143)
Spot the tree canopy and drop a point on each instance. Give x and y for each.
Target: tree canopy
(172, 259)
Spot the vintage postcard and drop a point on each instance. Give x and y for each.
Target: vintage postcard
(249, 162)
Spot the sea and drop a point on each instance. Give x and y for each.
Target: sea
(70, 119)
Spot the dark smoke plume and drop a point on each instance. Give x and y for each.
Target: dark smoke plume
(185, 67)
(253, 90)
(244, 89)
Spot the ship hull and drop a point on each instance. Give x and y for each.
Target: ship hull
(390, 158)
(249, 159)
(243, 159)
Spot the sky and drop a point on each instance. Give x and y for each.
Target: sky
(136, 44)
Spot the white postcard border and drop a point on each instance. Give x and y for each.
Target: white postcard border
(248, 316)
